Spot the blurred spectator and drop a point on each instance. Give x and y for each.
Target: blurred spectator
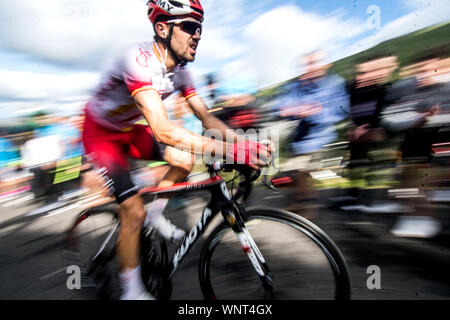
(403, 110)
(71, 131)
(212, 84)
(235, 101)
(69, 166)
(68, 131)
(368, 97)
(40, 155)
(442, 72)
(8, 151)
(422, 101)
(317, 101)
(9, 158)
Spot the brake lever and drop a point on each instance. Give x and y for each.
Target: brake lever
(271, 164)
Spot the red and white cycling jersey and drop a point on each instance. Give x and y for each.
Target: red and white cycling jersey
(140, 68)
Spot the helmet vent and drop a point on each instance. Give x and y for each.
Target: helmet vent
(176, 4)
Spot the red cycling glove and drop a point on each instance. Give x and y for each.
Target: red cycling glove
(244, 153)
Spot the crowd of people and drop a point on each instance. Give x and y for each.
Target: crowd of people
(48, 158)
(396, 117)
(41, 157)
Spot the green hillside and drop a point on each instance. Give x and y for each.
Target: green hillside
(406, 48)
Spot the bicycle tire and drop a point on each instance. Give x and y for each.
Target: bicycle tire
(83, 243)
(100, 265)
(257, 221)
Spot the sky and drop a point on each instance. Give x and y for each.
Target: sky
(52, 52)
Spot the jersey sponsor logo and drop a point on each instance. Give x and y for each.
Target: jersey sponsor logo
(165, 5)
(142, 58)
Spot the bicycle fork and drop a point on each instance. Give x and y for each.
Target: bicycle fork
(249, 246)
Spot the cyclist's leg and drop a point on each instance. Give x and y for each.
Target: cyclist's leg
(181, 164)
(144, 146)
(107, 151)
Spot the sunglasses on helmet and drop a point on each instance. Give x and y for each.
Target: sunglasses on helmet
(188, 26)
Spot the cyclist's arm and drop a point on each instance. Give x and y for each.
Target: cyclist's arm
(209, 121)
(165, 131)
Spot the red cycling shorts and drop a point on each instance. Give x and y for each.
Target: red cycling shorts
(110, 150)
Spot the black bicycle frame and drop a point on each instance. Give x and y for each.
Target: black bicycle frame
(232, 212)
(220, 201)
(233, 215)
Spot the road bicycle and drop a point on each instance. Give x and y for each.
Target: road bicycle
(252, 254)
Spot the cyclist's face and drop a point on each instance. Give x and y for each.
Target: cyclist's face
(183, 42)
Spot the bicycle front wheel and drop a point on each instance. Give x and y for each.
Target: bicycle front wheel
(304, 262)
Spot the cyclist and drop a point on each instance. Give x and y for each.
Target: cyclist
(133, 88)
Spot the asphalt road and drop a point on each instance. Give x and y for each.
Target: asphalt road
(32, 265)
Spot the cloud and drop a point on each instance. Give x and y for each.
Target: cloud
(43, 47)
(25, 92)
(25, 85)
(85, 33)
(219, 12)
(269, 49)
(46, 45)
(223, 22)
(272, 47)
(81, 33)
(217, 44)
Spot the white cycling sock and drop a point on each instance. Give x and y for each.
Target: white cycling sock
(131, 283)
(155, 210)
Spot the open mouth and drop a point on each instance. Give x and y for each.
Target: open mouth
(193, 47)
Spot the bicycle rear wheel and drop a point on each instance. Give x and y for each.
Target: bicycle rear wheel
(91, 244)
(304, 262)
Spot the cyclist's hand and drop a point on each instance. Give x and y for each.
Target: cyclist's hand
(251, 153)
